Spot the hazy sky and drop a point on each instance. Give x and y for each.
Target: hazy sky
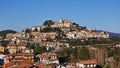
(99, 14)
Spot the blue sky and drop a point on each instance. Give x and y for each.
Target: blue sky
(99, 14)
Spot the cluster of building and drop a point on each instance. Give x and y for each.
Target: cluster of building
(36, 36)
(65, 25)
(19, 56)
(86, 34)
(54, 46)
(68, 28)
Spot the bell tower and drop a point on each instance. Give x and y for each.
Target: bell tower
(61, 20)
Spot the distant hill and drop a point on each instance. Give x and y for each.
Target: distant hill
(114, 34)
(5, 32)
(110, 33)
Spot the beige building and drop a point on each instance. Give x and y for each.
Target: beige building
(62, 23)
(2, 49)
(18, 57)
(14, 48)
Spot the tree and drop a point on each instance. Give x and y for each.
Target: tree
(39, 49)
(32, 46)
(74, 55)
(49, 29)
(27, 30)
(107, 65)
(64, 52)
(35, 30)
(48, 23)
(77, 25)
(83, 53)
(49, 39)
(75, 42)
(83, 27)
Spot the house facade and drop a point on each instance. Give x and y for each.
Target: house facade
(48, 58)
(2, 49)
(87, 64)
(14, 48)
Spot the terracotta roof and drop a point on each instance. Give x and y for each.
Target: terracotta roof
(44, 56)
(25, 61)
(71, 63)
(89, 62)
(24, 65)
(52, 54)
(21, 45)
(16, 45)
(28, 64)
(13, 54)
(39, 65)
(12, 44)
(8, 65)
(15, 58)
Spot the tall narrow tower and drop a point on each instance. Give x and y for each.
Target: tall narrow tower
(61, 20)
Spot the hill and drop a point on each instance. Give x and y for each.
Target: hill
(5, 32)
(114, 34)
(110, 33)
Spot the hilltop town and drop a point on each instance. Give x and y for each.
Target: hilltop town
(59, 44)
(53, 30)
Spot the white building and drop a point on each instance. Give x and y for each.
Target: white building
(48, 58)
(87, 64)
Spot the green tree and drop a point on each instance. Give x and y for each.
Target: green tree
(64, 52)
(49, 29)
(107, 65)
(27, 30)
(83, 53)
(75, 42)
(77, 25)
(40, 49)
(83, 27)
(48, 23)
(74, 55)
(32, 46)
(35, 30)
